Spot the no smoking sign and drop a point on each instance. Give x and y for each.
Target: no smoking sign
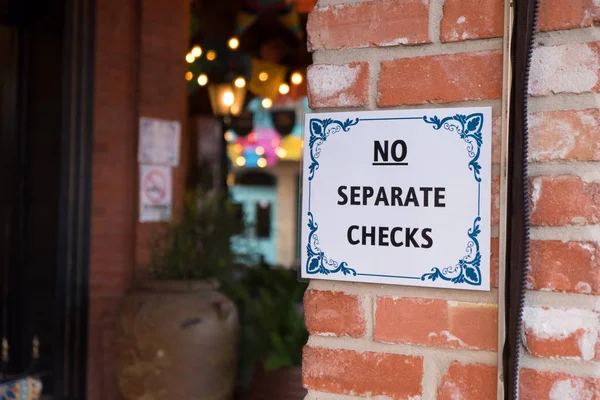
(155, 193)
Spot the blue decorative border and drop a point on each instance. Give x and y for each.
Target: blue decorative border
(467, 269)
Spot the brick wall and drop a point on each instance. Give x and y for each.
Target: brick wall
(125, 88)
(403, 342)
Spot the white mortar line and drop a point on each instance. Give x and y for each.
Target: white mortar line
(369, 312)
(589, 233)
(374, 68)
(553, 38)
(315, 395)
(343, 56)
(560, 300)
(434, 370)
(440, 354)
(589, 171)
(366, 289)
(564, 101)
(573, 367)
(436, 12)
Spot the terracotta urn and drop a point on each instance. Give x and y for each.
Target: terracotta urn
(176, 340)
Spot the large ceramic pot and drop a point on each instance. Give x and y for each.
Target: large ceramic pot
(282, 384)
(177, 340)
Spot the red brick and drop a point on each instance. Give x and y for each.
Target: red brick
(569, 68)
(535, 384)
(338, 85)
(563, 333)
(468, 382)
(374, 374)
(441, 78)
(464, 19)
(565, 266)
(435, 322)
(333, 313)
(564, 200)
(565, 135)
(560, 14)
(369, 24)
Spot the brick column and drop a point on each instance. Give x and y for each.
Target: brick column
(140, 67)
(403, 342)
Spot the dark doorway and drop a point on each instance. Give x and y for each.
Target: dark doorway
(41, 190)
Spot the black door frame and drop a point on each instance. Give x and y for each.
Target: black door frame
(75, 200)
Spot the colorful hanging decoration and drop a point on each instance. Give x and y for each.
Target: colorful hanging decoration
(293, 143)
(251, 10)
(264, 146)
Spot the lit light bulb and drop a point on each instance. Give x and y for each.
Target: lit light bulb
(228, 136)
(233, 43)
(267, 103)
(261, 162)
(284, 88)
(197, 51)
(228, 98)
(189, 57)
(297, 78)
(281, 152)
(211, 55)
(235, 109)
(260, 150)
(202, 79)
(240, 82)
(240, 161)
(263, 76)
(189, 76)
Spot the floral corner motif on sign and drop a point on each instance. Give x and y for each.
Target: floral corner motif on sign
(467, 269)
(468, 128)
(320, 130)
(317, 262)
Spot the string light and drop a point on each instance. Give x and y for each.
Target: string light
(240, 82)
(189, 57)
(233, 43)
(297, 78)
(189, 76)
(197, 51)
(228, 98)
(267, 103)
(281, 152)
(228, 136)
(284, 88)
(202, 79)
(261, 162)
(211, 55)
(260, 150)
(240, 161)
(263, 76)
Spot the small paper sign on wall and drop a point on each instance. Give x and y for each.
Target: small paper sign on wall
(156, 203)
(398, 197)
(159, 142)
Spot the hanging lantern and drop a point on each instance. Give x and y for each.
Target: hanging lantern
(226, 99)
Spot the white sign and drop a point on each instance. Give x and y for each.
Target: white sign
(156, 202)
(398, 197)
(159, 142)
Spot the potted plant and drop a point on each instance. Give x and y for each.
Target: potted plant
(272, 332)
(177, 333)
